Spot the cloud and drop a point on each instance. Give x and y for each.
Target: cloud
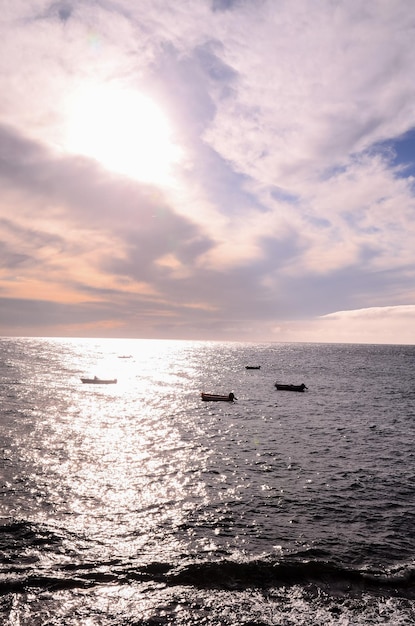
(389, 325)
(315, 88)
(290, 202)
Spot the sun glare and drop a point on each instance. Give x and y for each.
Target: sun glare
(124, 131)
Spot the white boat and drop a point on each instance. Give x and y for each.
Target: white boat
(99, 381)
(214, 397)
(284, 387)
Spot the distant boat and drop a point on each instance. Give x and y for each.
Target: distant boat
(283, 387)
(99, 381)
(125, 356)
(252, 367)
(212, 397)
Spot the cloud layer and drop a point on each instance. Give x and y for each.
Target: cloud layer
(290, 213)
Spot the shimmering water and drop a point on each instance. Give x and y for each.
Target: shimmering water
(137, 503)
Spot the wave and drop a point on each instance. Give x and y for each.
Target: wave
(23, 545)
(261, 574)
(220, 575)
(17, 535)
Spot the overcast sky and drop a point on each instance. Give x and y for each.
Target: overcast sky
(208, 169)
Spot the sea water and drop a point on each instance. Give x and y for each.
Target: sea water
(138, 503)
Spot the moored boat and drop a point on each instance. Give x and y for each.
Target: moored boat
(213, 397)
(99, 381)
(284, 387)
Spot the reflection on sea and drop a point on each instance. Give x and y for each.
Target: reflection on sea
(121, 465)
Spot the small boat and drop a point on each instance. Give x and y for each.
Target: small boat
(252, 367)
(213, 397)
(283, 387)
(99, 381)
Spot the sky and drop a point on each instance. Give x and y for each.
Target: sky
(230, 170)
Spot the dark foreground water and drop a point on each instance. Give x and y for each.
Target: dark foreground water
(137, 503)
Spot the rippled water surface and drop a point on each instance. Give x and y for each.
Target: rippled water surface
(137, 503)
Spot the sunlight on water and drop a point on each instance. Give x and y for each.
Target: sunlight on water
(127, 450)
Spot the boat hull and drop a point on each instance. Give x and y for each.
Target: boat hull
(212, 397)
(99, 381)
(283, 387)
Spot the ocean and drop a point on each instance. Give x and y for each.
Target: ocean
(139, 504)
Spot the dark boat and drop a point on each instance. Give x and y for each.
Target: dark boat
(99, 381)
(213, 397)
(283, 387)
(252, 367)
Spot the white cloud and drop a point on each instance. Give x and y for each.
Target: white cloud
(388, 325)
(315, 87)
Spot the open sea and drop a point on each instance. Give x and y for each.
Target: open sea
(139, 504)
